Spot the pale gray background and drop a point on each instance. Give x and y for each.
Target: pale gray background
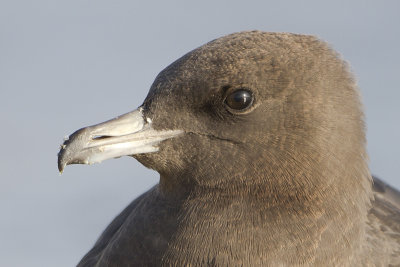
(69, 64)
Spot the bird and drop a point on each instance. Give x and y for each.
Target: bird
(259, 141)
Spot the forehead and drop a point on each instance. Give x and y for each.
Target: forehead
(229, 53)
(219, 61)
(251, 59)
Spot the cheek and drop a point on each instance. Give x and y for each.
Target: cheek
(148, 160)
(194, 153)
(173, 157)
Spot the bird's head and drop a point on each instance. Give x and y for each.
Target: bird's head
(274, 114)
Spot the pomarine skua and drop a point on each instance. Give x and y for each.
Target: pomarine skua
(259, 141)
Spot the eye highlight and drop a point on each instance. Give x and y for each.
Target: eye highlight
(239, 100)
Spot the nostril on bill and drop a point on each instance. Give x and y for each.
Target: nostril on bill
(100, 137)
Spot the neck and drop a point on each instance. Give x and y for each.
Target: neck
(321, 216)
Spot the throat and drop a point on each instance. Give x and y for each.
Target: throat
(217, 227)
(175, 189)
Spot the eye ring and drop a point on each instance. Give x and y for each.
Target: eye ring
(239, 100)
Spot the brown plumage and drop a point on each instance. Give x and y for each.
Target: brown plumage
(262, 162)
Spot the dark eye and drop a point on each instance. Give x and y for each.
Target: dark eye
(239, 100)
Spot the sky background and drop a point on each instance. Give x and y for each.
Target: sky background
(69, 64)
